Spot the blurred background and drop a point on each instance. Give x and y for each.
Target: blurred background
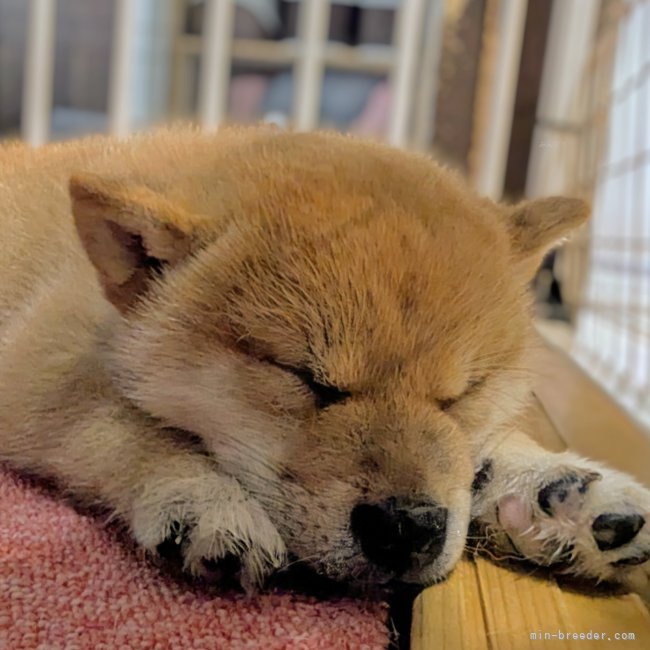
(524, 97)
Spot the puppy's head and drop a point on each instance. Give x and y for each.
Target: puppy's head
(342, 324)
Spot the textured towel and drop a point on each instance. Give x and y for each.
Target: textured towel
(68, 583)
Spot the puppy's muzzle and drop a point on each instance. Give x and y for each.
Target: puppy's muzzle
(400, 533)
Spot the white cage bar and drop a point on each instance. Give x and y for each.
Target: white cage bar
(407, 41)
(427, 93)
(215, 62)
(414, 52)
(120, 95)
(313, 28)
(39, 68)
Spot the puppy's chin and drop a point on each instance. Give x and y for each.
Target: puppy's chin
(302, 578)
(356, 579)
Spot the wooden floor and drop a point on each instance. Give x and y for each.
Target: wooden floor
(486, 607)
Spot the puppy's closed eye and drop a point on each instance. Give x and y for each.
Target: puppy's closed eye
(324, 394)
(472, 385)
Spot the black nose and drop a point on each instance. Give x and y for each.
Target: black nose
(400, 533)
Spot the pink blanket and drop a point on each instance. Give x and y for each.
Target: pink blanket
(67, 583)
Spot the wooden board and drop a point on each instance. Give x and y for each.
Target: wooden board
(486, 607)
(588, 420)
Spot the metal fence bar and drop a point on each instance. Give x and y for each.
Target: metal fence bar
(314, 26)
(120, 92)
(407, 40)
(39, 69)
(494, 151)
(643, 233)
(214, 82)
(626, 359)
(428, 87)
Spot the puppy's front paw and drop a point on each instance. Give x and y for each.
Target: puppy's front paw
(578, 518)
(211, 524)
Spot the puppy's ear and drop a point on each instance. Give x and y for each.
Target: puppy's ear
(130, 234)
(538, 225)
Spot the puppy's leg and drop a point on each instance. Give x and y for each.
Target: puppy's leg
(172, 497)
(562, 511)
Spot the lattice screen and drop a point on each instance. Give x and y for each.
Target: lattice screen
(612, 263)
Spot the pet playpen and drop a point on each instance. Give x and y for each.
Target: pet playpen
(595, 142)
(591, 134)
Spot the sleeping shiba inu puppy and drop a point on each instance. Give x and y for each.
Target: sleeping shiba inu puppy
(342, 326)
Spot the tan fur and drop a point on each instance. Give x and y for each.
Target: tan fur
(375, 269)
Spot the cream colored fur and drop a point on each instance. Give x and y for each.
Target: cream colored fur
(168, 287)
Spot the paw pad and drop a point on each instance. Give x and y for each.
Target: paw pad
(612, 530)
(566, 494)
(483, 476)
